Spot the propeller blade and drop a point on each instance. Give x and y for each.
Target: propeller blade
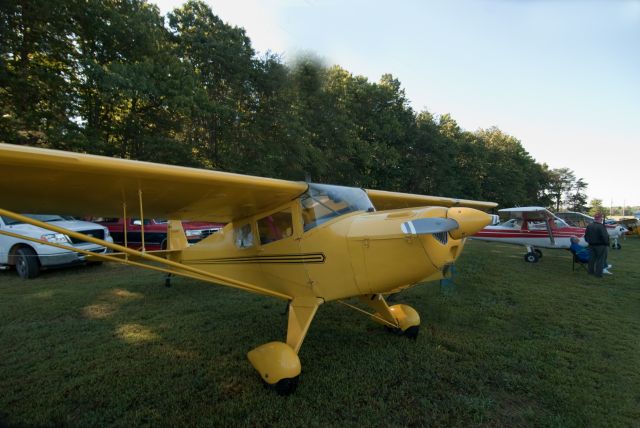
(424, 226)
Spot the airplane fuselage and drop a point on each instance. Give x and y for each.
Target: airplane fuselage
(539, 238)
(355, 254)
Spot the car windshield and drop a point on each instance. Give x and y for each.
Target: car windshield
(40, 217)
(323, 202)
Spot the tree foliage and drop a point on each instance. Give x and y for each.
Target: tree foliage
(114, 77)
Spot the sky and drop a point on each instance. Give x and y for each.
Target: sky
(561, 76)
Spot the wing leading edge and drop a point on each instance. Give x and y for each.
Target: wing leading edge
(384, 200)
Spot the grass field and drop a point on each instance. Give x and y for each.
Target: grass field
(507, 344)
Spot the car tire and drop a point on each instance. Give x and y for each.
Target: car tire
(27, 264)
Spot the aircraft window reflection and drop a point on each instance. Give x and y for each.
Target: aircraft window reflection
(543, 225)
(575, 219)
(323, 202)
(275, 227)
(244, 236)
(513, 223)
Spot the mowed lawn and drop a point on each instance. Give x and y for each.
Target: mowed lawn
(507, 344)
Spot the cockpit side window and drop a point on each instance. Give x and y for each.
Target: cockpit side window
(244, 236)
(275, 227)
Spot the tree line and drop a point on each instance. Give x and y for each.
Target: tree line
(116, 78)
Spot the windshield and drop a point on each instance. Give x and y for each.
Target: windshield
(323, 202)
(41, 217)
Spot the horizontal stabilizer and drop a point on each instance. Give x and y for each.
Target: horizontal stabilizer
(424, 226)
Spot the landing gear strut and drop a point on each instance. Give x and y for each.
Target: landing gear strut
(277, 363)
(401, 319)
(616, 245)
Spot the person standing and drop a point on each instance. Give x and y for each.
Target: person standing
(597, 237)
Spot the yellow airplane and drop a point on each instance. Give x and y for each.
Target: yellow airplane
(632, 224)
(302, 242)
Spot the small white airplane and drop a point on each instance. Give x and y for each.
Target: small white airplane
(532, 227)
(577, 219)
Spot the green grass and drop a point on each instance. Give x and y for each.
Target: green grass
(508, 344)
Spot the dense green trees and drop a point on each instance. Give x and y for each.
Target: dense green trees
(114, 77)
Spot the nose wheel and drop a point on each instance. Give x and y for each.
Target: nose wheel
(533, 254)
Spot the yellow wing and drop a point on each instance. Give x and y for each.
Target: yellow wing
(383, 200)
(50, 181)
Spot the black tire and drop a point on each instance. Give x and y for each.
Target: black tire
(412, 332)
(531, 257)
(616, 246)
(538, 253)
(27, 264)
(286, 386)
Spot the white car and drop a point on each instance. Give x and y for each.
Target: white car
(30, 257)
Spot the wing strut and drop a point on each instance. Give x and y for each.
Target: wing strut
(141, 219)
(124, 227)
(547, 223)
(180, 268)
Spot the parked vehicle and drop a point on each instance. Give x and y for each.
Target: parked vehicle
(155, 231)
(30, 257)
(614, 229)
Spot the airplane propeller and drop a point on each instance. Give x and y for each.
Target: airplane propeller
(423, 226)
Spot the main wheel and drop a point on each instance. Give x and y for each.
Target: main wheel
(531, 257)
(538, 253)
(27, 264)
(286, 386)
(616, 246)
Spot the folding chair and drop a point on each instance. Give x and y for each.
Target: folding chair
(576, 261)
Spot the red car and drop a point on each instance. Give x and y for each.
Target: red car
(155, 231)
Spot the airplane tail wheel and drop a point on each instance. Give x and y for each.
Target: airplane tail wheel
(531, 257)
(278, 366)
(538, 253)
